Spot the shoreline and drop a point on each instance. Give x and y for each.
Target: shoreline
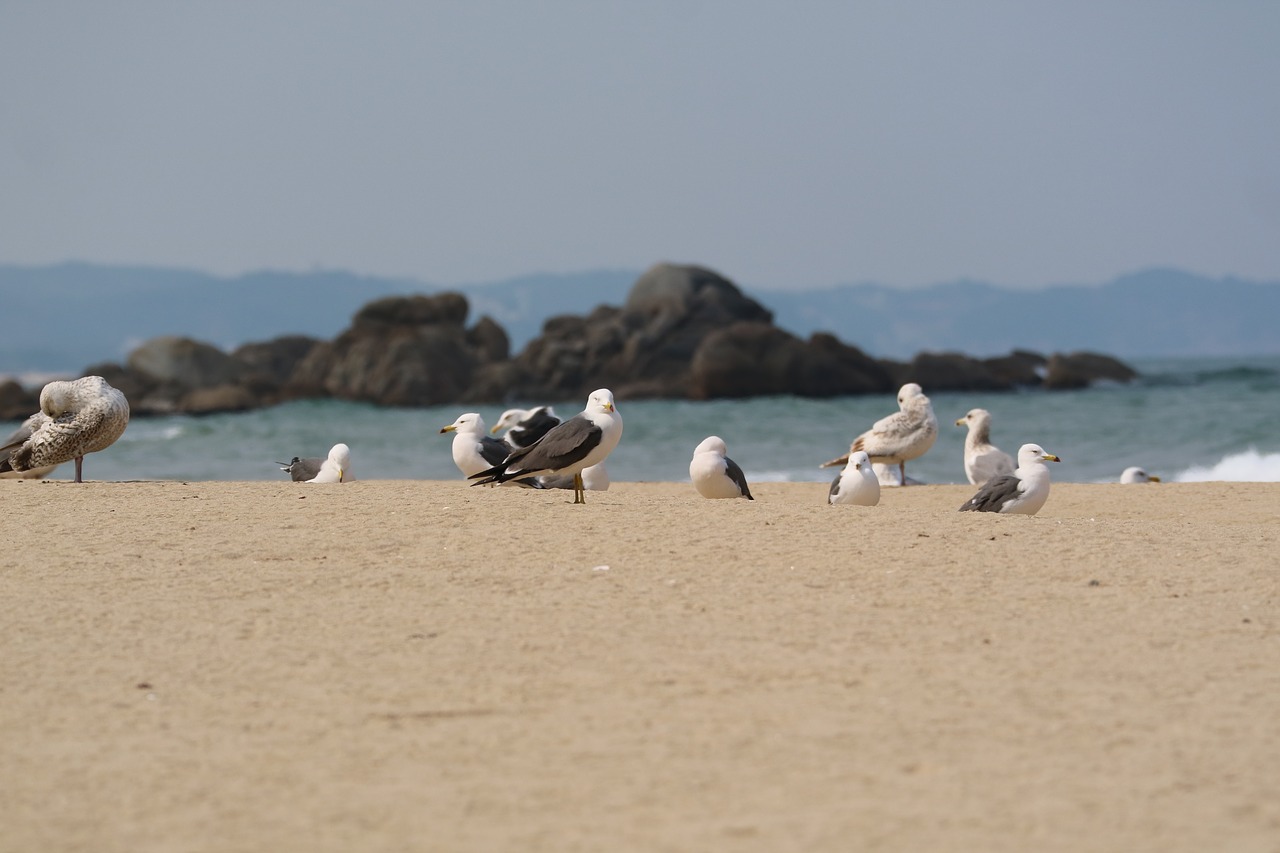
(389, 665)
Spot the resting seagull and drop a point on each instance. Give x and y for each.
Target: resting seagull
(567, 448)
(473, 449)
(714, 474)
(525, 426)
(1138, 475)
(336, 468)
(1023, 492)
(76, 418)
(900, 437)
(982, 459)
(857, 484)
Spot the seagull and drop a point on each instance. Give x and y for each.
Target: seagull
(19, 435)
(715, 475)
(474, 450)
(1138, 475)
(1024, 491)
(857, 483)
(567, 448)
(982, 459)
(308, 470)
(905, 435)
(76, 417)
(525, 426)
(301, 470)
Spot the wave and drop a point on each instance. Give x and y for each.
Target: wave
(1247, 467)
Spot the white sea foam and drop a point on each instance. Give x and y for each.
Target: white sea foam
(1247, 467)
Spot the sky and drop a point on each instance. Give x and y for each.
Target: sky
(788, 145)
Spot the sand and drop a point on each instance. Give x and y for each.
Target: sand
(393, 665)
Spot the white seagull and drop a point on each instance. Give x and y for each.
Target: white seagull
(857, 484)
(473, 449)
(76, 418)
(584, 440)
(525, 426)
(1138, 475)
(714, 474)
(1023, 492)
(900, 437)
(983, 461)
(307, 469)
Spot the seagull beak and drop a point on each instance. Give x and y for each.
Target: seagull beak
(341, 474)
(449, 428)
(959, 421)
(1154, 478)
(492, 429)
(1049, 457)
(608, 407)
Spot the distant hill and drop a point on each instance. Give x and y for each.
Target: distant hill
(62, 318)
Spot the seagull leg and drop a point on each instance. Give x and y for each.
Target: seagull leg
(902, 473)
(79, 465)
(579, 491)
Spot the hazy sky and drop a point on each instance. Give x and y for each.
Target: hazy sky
(786, 144)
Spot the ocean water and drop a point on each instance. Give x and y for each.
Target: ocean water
(1184, 420)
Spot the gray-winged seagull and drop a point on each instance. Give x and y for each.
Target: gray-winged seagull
(1023, 492)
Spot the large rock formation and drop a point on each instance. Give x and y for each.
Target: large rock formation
(684, 332)
(402, 351)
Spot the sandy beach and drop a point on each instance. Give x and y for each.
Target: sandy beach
(405, 665)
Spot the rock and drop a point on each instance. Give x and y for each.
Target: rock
(402, 351)
(1018, 369)
(1081, 369)
(16, 402)
(185, 363)
(948, 371)
(277, 359)
(222, 398)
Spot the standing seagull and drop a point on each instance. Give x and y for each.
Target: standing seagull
(473, 449)
(715, 475)
(902, 436)
(525, 426)
(76, 418)
(567, 448)
(1024, 491)
(857, 483)
(983, 461)
(1138, 475)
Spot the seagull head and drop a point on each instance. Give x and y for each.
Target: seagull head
(1032, 453)
(471, 422)
(711, 444)
(601, 400)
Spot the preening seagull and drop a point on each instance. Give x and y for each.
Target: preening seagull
(567, 448)
(525, 426)
(300, 470)
(714, 474)
(1024, 491)
(857, 484)
(1138, 475)
(982, 459)
(898, 438)
(336, 468)
(76, 417)
(473, 449)
(18, 436)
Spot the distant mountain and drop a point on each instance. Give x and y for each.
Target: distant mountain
(1150, 313)
(59, 319)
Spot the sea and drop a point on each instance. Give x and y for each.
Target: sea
(1189, 419)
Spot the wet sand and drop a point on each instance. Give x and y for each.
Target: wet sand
(395, 665)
